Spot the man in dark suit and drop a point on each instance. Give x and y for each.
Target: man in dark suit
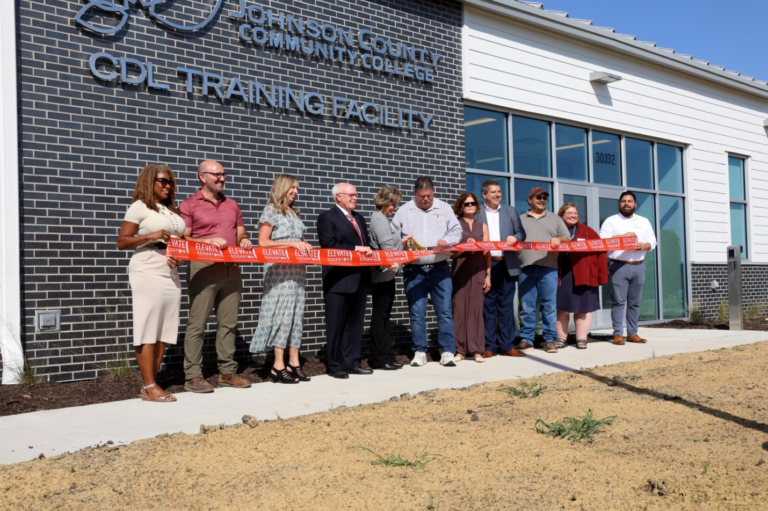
(344, 288)
(498, 310)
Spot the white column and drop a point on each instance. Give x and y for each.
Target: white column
(10, 264)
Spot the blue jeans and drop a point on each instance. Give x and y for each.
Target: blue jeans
(435, 281)
(538, 282)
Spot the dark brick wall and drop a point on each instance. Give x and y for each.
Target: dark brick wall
(83, 143)
(753, 287)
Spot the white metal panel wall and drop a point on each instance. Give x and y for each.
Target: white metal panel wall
(513, 66)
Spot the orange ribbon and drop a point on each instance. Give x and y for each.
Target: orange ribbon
(196, 251)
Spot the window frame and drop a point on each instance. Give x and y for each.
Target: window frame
(745, 180)
(656, 192)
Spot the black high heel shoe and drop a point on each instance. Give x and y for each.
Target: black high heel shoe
(282, 376)
(298, 373)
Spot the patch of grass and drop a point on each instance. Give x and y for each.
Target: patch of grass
(754, 311)
(694, 313)
(525, 388)
(433, 506)
(722, 312)
(26, 376)
(704, 468)
(120, 366)
(575, 429)
(420, 459)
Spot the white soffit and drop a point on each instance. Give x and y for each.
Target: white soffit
(534, 14)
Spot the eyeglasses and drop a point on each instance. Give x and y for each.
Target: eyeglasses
(219, 175)
(350, 194)
(542, 197)
(164, 181)
(468, 204)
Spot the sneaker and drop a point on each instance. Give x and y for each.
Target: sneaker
(419, 359)
(198, 385)
(446, 359)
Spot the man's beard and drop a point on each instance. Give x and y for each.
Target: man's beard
(630, 213)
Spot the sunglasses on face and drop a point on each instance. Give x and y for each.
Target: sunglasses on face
(164, 181)
(217, 175)
(469, 204)
(542, 197)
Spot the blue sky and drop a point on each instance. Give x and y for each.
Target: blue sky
(731, 34)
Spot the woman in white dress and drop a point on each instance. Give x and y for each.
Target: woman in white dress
(149, 223)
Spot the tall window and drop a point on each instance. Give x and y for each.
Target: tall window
(738, 194)
(582, 164)
(485, 149)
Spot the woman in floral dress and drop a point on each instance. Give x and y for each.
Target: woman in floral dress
(282, 304)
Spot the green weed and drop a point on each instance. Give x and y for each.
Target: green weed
(754, 310)
(26, 376)
(694, 313)
(120, 366)
(722, 312)
(525, 388)
(575, 429)
(420, 459)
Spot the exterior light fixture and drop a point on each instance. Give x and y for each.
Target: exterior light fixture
(603, 77)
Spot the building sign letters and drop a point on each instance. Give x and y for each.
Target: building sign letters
(261, 27)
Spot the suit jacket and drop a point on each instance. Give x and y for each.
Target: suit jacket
(334, 230)
(509, 225)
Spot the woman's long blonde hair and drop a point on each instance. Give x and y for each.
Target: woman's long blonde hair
(278, 195)
(145, 187)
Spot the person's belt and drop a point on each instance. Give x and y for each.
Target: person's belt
(431, 265)
(631, 263)
(497, 258)
(160, 245)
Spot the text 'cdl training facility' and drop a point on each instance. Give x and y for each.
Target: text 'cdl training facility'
(375, 92)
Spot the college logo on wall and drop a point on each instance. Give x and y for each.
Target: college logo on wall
(96, 8)
(268, 28)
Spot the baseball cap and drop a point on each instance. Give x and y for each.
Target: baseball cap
(537, 190)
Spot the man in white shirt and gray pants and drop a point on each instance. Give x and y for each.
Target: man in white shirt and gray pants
(626, 269)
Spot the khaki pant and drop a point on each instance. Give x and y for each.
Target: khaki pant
(219, 287)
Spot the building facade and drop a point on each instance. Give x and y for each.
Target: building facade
(375, 92)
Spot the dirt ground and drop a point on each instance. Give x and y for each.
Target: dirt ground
(691, 432)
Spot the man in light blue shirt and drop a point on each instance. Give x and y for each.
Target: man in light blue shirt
(431, 222)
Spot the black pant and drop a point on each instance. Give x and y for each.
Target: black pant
(344, 316)
(383, 295)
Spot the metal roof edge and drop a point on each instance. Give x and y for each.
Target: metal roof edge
(539, 17)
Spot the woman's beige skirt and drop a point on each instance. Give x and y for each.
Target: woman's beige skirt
(156, 291)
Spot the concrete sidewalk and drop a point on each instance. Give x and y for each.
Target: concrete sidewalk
(53, 432)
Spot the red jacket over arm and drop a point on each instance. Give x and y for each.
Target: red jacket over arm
(589, 268)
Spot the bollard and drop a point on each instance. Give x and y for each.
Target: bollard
(735, 309)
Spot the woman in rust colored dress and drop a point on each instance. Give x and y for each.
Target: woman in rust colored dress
(471, 280)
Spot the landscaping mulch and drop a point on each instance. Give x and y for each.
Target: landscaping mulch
(15, 399)
(53, 395)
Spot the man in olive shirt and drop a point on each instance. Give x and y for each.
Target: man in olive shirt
(538, 279)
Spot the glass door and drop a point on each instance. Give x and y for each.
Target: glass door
(595, 204)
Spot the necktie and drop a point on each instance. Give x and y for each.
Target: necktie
(349, 215)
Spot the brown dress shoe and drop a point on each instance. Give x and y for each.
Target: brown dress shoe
(233, 380)
(198, 385)
(489, 354)
(618, 340)
(514, 352)
(636, 338)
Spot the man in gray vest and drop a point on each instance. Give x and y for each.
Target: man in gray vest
(498, 310)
